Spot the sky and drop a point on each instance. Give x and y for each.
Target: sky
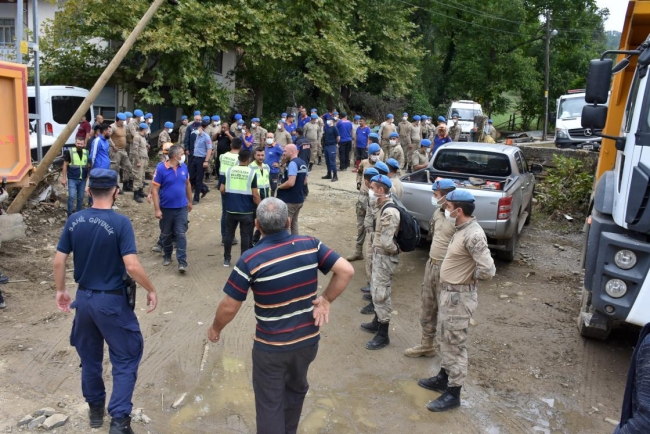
(617, 9)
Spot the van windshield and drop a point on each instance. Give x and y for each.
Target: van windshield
(472, 162)
(571, 107)
(466, 114)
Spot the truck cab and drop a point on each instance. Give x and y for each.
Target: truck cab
(467, 111)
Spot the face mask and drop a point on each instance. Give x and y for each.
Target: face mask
(279, 126)
(427, 121)
(269, 141)
(254, 126)
(284, 119)
(182, 158)
(374, 158)
(149, 121)
(434, 201)
(441, 201)
(405, 118)
(239, 127)
(336, 118)
(215, 123)
(170, 130)
(393, 142)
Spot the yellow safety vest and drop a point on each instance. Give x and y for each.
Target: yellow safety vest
(227, 161)
(263, 178)
(79, 163)
(239, 180)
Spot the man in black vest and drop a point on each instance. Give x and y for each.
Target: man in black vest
(291, 191)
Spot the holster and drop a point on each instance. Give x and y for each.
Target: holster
(130, 291)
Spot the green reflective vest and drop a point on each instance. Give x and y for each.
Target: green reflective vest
(263, 182)
(226, 161)
(78, 165)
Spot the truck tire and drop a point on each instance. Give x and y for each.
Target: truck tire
(586, 331)
(508, 255)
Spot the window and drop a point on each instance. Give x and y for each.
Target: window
(520, 165)
(523, 161)
(7, 31)
(64, 107)
(466, 114)
(572, 107)
(218, 62)
(472, 162)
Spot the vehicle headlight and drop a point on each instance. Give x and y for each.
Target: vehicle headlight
(615, 288)
(625, 259)
(561, 132)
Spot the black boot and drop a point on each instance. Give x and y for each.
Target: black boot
(437, 383)
(121, 426)
(366, 289)
(448, 400)
(319, 160)
(328, 176)
(96, 415)
(136, 197)
(381, 338)
(140, 193)
(367, 296)
(128, 185)
(371, 327)
(125, 185)
(335, 178)
(311, 165)
(368, 309)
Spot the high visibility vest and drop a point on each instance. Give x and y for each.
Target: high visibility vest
(226, 161)
(239, 180)
(77, 163)
(263, 181)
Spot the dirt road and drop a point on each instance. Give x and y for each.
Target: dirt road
(530, 372)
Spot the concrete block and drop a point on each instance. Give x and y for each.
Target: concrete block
(36, 422)
(25, 420)
(47, 412)
(12, 227)
(54, 421)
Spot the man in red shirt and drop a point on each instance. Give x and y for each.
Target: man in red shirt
(84, 129)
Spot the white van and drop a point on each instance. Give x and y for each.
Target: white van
(466, 110)
(568, 123)
(58, 105)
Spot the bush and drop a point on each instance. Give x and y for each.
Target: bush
(567, 188)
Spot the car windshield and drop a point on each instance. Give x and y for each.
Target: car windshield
(466, 114)
(472, 162)
(571, 107)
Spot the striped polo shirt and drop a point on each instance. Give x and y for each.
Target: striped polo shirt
(282, 270)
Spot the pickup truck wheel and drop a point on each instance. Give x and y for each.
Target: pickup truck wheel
(585, 330)
(508, 255)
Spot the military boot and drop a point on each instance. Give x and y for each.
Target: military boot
(128, 185)
(357, 255)
(439, 383)
(365, 289)
(381, 338)
(96, 415)
(367, 296)
(448, 400)
(136, 197)
(371, 327)
(370, 308)
(425, 349)
(140, 193)
(121, 426)
(319, 160)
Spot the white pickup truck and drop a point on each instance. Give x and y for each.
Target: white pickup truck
(498, 177)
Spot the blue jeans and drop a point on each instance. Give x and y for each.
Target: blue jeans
(330, 158)
(174, 226)
(76, 190)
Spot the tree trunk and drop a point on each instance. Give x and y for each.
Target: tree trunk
(259, 101)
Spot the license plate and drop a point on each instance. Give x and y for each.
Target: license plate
(588, 147)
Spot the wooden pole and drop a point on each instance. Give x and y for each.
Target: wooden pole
(43, 166)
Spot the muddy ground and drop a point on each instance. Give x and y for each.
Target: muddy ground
(530, 371)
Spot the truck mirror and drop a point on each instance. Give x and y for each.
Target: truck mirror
(594, 116)
(599, 80)
(536, 168)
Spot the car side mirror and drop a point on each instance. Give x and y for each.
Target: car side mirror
(536, 168)
(594, 116)
(599, 81)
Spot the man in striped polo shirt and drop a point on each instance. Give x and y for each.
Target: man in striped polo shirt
(282, 270)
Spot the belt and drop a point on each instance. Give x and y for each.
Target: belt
(435, 261)
(111, 292)
(458, 288)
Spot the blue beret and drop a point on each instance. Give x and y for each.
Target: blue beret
(197, 113)
(357, 117)
(461, 195)
(128, 114)
(373, 136)
(425, 142)
(121, 117)
(381, 167)
(169, 125)
(371, 171)
(416, 118)
(393, 163)
(442, 119)
(335, 112)
(240, 122)
(393, 134)
(314, 110)
(382, 179)
(206, 119)
(374, 148)
(148, 115)
(143, 126)
(489, 121)
(425, 117)
(405, 114)
(102, 178)
(314, 116)
(443, 184)
(455, 115)
(138, 112)
(255, 120)
(237, 117)
(283, 115)
(216, 118)
(183, 117)
(389, 116)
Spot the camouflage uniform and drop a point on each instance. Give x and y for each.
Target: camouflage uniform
(234, 131)
(397, 189)
(362, 207)
(134, 128)
(455, 130)
(405, 129)
(385, 130)
(282, 138)
(259, 136)
(418, 158)
(414, 143)
(467, 260)
(119, 158)
(140, 155)
(384, 260)
(314, 132)
(396, 152)
(181, 134)
(163, 138)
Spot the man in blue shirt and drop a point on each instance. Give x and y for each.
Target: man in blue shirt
(331, 139)
(99, 158)
(290, 127)
(345, 129)
(199, 161)
(172, 195)
(103, 246)
(362, 142)
(295, 178)
(273, 154)
(303, 117)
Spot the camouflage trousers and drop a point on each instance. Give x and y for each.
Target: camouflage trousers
(414, 146)
(367, 254)
(138, 172)
(385, 146)
(457, 305)
(429, 298)
(361, 230)
(316, 152)
(381, 284)
(120, 160)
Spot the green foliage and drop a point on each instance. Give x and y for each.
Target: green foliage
(567, 188)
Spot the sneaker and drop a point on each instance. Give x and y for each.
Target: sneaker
(156, 249)
(3, 305)
(3, 278)
(182, 268)
(226, 262)
(235, 241)
(166, 261)
(195, 202)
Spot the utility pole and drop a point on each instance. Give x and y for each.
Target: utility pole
(19, 30)
(37, 84)
(546, 72)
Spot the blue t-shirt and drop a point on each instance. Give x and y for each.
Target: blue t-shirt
(99, 153)
(303, 121)
(201, 145)
(273, 154)
(345, 130)
(248, 142)
(173, 185)
(439, 141)
(99, 238)
(298, 168)
(331, 133)
(362, 137)
(291, 129)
